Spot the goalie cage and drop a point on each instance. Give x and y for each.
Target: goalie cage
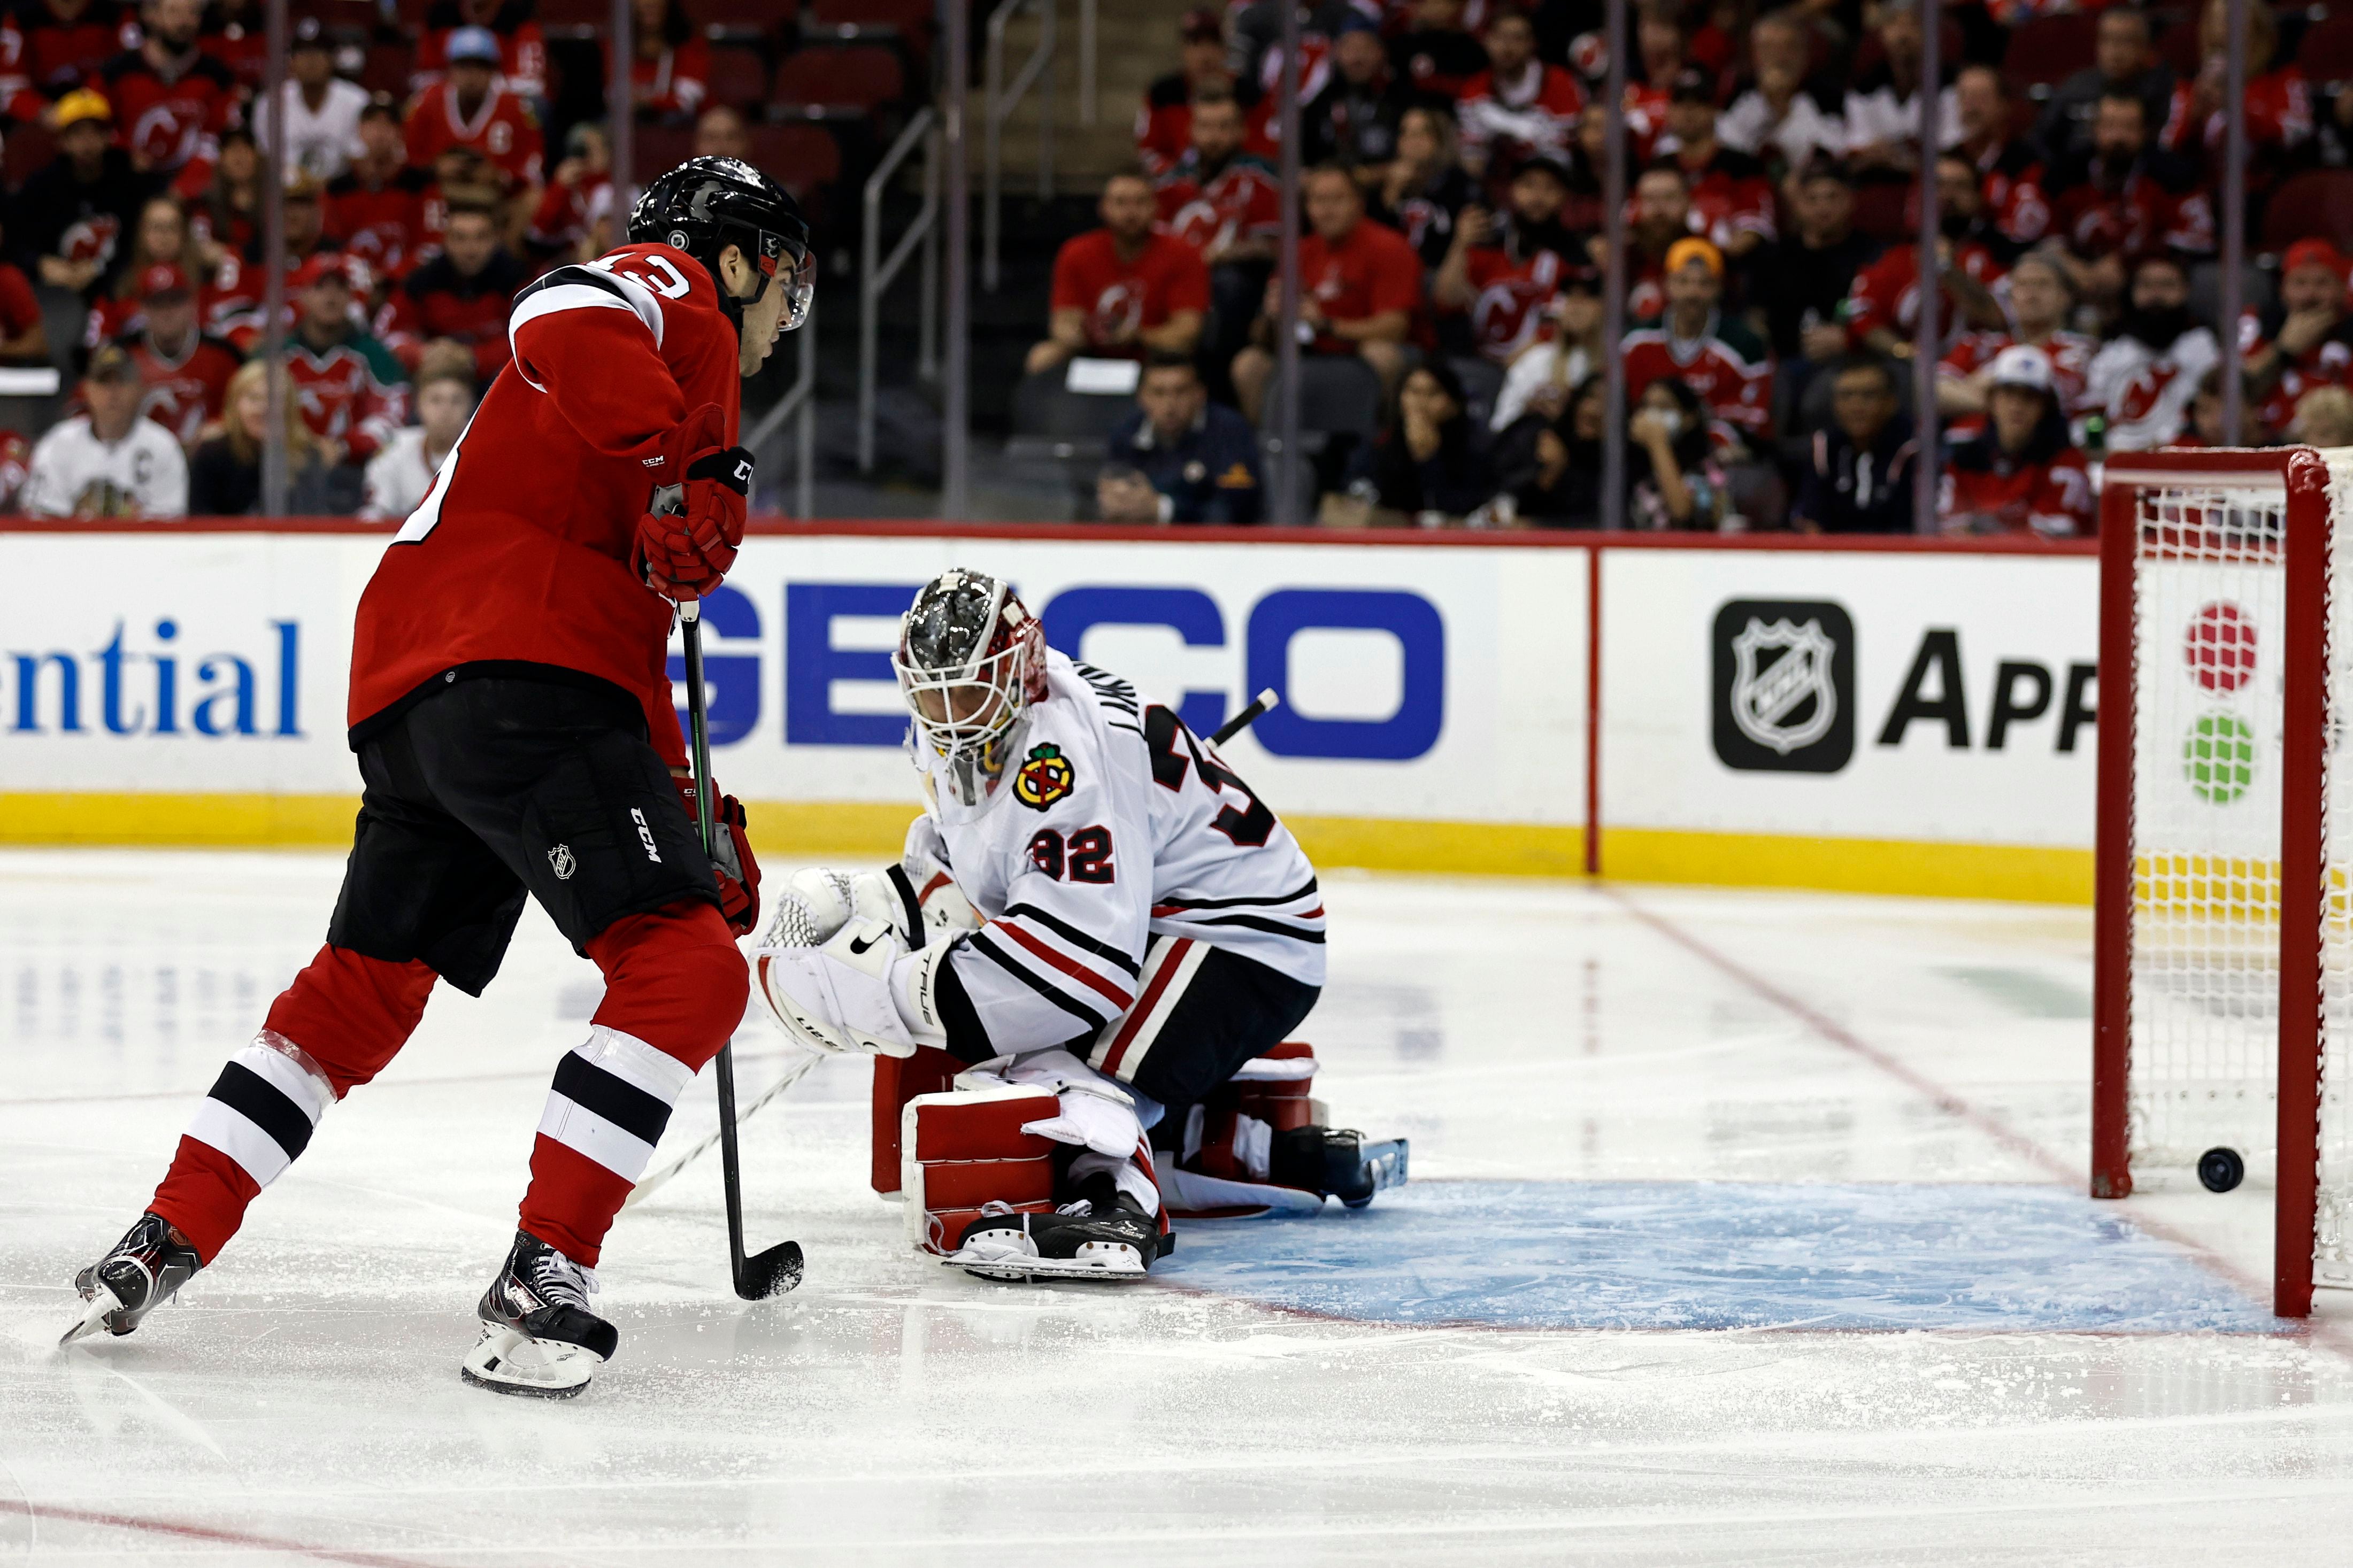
(2222, 971)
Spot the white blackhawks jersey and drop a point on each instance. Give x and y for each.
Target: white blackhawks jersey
(1112, 825)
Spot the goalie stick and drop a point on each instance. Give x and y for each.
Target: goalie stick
(778, 1269)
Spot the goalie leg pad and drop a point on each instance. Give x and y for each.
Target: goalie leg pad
(964, 1149)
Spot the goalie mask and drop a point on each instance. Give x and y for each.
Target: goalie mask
(971, 661)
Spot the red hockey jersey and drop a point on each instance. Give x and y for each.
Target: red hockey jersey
(1507, 313)
(503, 129)
(183, 393)
(1887, 292)
(172, 126)
(520, 550)
(1240, 202)
(382, 224)
(2070, 354)
(1985, 491)
(1729, 369)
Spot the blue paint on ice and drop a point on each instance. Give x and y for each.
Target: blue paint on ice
(1719, 1255)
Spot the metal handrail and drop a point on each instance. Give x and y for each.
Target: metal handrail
(876, 273)
(800, 398)
(1087, 95)
(1000, 103)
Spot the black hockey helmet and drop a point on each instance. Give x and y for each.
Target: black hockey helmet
(705, 204)
(971, 661)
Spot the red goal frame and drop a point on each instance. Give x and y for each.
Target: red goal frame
(2303, 476)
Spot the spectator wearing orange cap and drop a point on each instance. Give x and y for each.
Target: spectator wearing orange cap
(1693, 341)
(2019, 474)
(79, 209)
(183, 373)
(2304, 338)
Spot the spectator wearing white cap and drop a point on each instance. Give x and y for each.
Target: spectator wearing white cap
(2019, 474)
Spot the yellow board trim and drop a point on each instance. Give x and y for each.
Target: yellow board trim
(808, 830)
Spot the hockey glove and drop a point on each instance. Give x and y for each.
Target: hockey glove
(860, 992)
(686, 544)
(731, 859)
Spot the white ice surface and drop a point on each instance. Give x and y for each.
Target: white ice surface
(1615, 1049)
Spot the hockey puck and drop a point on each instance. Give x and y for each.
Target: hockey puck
(2222, 1169)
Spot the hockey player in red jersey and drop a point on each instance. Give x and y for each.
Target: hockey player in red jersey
(1153, 931)
(512, 709)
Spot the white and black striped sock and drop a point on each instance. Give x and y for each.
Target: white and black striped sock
(611, 1100)
(262, 1109)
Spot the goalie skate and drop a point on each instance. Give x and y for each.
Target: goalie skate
(139, 1274)
(1102, 1236)
(539, 1338)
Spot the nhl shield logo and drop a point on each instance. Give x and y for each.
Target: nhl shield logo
(1784, 686)
(1781, 690)
(560, 861)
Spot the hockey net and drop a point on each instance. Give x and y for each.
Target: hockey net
(2224, 974)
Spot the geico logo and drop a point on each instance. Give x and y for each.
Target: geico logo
(816, 662)
(150, 684)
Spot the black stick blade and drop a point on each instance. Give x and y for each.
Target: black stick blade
(770, 1273)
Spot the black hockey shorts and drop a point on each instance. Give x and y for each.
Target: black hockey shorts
(498, 787)
(1201, 1013)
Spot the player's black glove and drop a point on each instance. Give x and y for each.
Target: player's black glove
(731, 858)
(684, 554)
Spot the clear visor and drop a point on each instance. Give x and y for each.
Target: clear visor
(787, 267)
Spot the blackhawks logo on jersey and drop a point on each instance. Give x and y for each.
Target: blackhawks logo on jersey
(1045, 778)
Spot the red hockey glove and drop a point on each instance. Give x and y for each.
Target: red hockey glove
(731, 859)
(683, 551)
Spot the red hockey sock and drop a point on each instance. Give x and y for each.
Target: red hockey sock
(675, 987)
(340, 1021)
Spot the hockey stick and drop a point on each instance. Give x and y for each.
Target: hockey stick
(778, 1269)
(1266, 703)
(793, 1075)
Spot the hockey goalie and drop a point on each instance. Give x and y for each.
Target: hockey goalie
(1111, 933)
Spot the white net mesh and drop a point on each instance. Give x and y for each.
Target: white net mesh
(2210, 656)
(2209, 630)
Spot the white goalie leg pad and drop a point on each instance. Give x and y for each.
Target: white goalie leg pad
(860, 992)
(1192, 1195)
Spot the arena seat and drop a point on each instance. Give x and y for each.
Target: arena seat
(809, 151)
(655, 148)
(1482, 383)
(872, 18)
(1339, 395)
(846, 83)
(2314, 202)
(739, 77)
(2047, 50)
(2325, 53)
(1043, 405)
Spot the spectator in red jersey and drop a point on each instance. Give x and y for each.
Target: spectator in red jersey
(1423, 190)
(522, 61)
(236, 34)
(352, 390)
(1519, 106)
(233, 308)
(1353, 122)
(173, 100)
(1164, 124)
(2143, 378)
(2124, 61)
(1694, 342)
(574, 214)
(2278, 100)
(225, 471)
(162, 238)
(1437, 56)
(2019, 474)
(1359, 292)
(1659, 51)
(1786, 116)
(721, 133)
(1884, 310)
(669, 73)
(464, 295)
(2040, 304)
(473, 109)
(1860, 473)
(1501, 274)
(2127, 199)
(2306, 339)
(185, 372)
(68, 42)
(228, 215)
(1732, 200)
(78, 213)
(23, 337)
(1225, 203)
(1662, 218)
(1124, 291)
(2010, 171)
(376, 209)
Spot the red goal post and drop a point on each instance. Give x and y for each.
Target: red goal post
(2222, 971)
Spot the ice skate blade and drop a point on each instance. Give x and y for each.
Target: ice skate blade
(508, 1360)
(1104, 1262)
(93, 1317)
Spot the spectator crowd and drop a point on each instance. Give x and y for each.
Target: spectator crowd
(1451, 260)
(412, 218)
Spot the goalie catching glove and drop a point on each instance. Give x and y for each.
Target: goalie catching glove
(687, 542)
(860, 991)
